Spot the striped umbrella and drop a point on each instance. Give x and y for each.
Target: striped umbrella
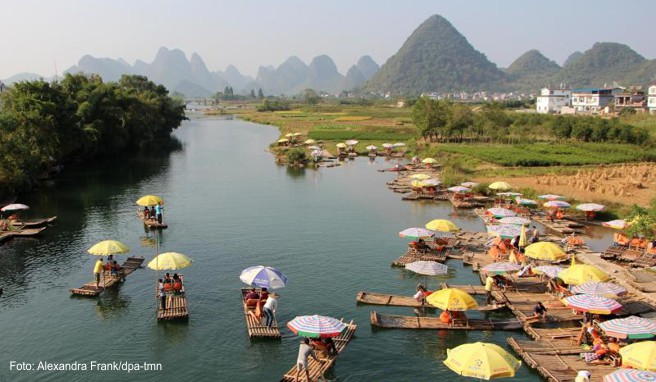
(630, 375)
(515, 220)
(502, 267)
(551, 197)
(427, 268)
(557, 204)
(617, 224)
(590, 207)
(431, 182)
(509, 194)
(629, 327)
(526, 202)
(505, 231)
(458, 189)
(263, 277)
(500, 212)
(416, 233)
(14, 207)
(598, 288)
(316, 326)
(549, 270)
(592, 304)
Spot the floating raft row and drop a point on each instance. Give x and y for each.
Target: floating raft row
(557, 360)
(371, 298)
(150, 223)
(6, 235)
(176, 305)
(107, 280)
(33, 222)
(415, 322)
(317, 369)
(254, 324)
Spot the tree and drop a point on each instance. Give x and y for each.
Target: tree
(260, 93)
(311, 97)
(252, 93)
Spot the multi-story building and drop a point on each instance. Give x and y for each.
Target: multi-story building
(651, 98)
(553, 100)
(632, 98)
(593, 100)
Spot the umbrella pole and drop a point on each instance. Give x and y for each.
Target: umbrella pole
(156, 273)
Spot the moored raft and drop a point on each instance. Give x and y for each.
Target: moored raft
(33, 222)
(108, 281)
(414, 322)
(317, 369)
(254, 324)
(6, 235)
(150, 223)
(176, 305)
(372, 298)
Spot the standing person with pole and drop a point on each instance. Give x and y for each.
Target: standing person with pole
(158, 211)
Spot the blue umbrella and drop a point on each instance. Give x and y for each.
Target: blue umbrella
(263, 277)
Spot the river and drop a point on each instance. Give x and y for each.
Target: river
(332, 231)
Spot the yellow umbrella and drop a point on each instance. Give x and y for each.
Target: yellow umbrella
(417, 183)
(169, 261)
(341, 145)
(582, 273)
(640, 355)
(429, 161)
(500, 186)
(310, 142)
(289, 135)
(452, 299)
(420, 176)
(149, 200)
(545, 250)
(481, 360)
(283, 140)
(297, 134)
(108, 247)
(442, 225)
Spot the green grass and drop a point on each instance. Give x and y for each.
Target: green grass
(553, 154)
(343, 134)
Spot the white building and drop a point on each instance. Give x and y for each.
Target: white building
(553, 100)
(593, 100)
(651, 98)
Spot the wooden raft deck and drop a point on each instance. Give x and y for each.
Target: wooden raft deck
(108, 281)
(372, 298)
(318, 369)
(150, 223)
(37, 222)
(560, 226)
(6, 235)
(555, 362)
(176, 305)
(254, 325)
(412, 256)
(415, 322)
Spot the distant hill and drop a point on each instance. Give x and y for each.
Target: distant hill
(23, 77)
(436, 58)
(531, 70)
(604, 63)
(572, 58)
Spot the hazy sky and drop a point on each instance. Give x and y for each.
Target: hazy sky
(41, 35)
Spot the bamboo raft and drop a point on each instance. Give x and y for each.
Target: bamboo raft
(370, 298)
(176, 305)
(557, 362)
(318, 369)
(254, 324)
(6, 235)
(150, 223)
(107, 280)
(414, 322)
(412, 255)
(33, 222)
(562, 227)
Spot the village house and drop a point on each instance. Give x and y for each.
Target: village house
(593, 100)
(551, 101)
(633, 98)
(651, 98)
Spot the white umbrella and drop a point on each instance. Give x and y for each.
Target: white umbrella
(427, 268)
(263, 277)
(351, 142)
(515, 220)
(432, 182)
(590, 207)
(371, 147)
(387, 145)
(14, 207)
(469, 184)
(399, 144)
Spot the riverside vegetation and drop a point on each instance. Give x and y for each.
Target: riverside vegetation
(44, 124)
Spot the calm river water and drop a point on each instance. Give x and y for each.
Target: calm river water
(229, 206)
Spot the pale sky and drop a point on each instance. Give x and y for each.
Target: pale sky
(41, 35)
